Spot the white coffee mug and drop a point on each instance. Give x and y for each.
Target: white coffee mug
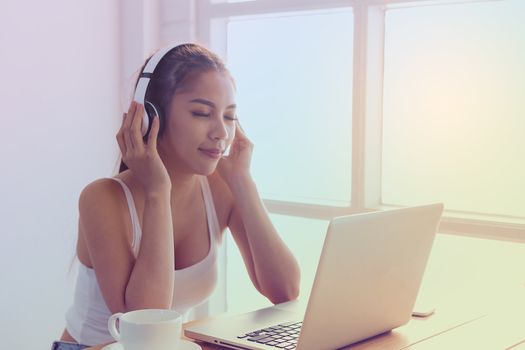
(150, 329)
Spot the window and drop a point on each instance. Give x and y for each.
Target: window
(448, 77)
(362, 105)
(294, 77)
(453, 107)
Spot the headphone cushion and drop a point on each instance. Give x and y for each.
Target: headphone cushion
(150, 112)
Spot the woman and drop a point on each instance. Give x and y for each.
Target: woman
(148, 237)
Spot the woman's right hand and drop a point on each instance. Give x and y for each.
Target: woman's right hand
(142, 158)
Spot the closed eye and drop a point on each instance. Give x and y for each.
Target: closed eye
(200, 114)
(227, 117)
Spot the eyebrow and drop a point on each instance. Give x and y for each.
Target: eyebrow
(209, 103)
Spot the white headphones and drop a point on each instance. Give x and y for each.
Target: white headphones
(142, 86)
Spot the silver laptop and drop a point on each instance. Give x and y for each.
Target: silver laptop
(366, 283)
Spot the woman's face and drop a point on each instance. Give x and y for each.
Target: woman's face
(200, 124)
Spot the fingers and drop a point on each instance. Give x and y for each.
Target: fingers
(240, 135)
(129, 136)
(239, 130)
(126, 124)
(136, 126)
(131, 111)
(239, 126)
(153, 133)
(140, 155)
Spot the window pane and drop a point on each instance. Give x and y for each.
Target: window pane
(294, 79)
(454, 108)
(305, 239)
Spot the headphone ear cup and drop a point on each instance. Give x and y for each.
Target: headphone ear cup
(150, 112)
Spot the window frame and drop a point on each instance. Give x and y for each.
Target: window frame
(207, 24)
(368, 46)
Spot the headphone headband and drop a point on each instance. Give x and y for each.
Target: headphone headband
(143, 82)
(155, 59)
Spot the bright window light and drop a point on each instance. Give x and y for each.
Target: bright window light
(294, 79)
(454, 107)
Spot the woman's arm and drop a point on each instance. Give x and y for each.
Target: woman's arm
(151, 282)
(128, 283)
(270, 264)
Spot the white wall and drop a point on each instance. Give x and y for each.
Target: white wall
(60, 98)
(67, 70)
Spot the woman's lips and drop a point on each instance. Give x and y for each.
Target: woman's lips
(212, 153)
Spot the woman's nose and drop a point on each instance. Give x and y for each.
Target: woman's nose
(219, 131)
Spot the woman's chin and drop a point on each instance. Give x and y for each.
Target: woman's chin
(206, 170)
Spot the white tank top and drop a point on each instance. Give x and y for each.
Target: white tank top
(86, 319)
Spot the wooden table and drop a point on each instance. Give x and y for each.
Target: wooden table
(452, 326)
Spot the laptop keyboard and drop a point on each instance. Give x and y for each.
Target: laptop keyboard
(282, 336)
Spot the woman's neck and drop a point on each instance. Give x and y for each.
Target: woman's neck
(183, 182)
(182, 185)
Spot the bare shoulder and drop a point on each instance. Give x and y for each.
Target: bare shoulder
(222, 198)
(103, 217)
(106, 189)
(101, 198)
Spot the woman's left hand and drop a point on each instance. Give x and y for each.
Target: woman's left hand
(237, 163)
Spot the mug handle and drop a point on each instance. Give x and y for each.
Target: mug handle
(112, 326)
